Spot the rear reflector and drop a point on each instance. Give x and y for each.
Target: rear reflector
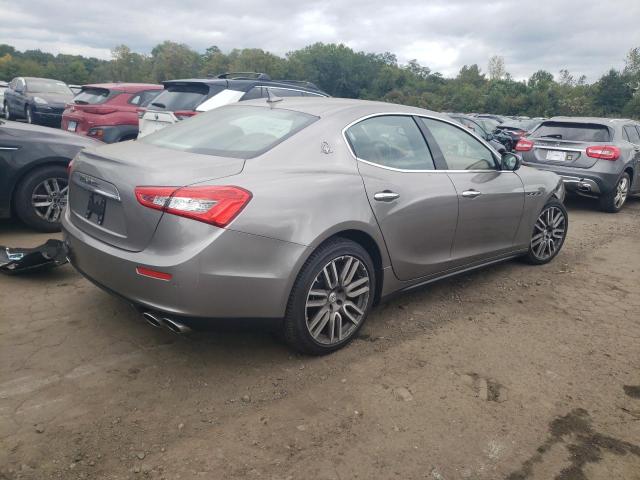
(524, 145)
(217, 205)
(606, 152)
(147, 272)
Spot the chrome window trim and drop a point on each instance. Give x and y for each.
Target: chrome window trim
(287, 88)
(9, 148)
(403, 170)
(545, 147)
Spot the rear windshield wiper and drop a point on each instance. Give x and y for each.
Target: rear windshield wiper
(81, 102)
(158, 104)
(552, 135)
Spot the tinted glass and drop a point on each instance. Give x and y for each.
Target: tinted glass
(255, 92)
(283, 92)
(632, 133)
(391, 141)
(461, 151)
(577, 132)
(488, 124)
(236, 131)
(92, 96)
(184, 97)
(42, 85)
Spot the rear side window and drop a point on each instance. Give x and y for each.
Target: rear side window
(577, 132)
(237, 131)
(184, 97)
(142, 99)
(392, 141)
(92, 96)
(632, 134)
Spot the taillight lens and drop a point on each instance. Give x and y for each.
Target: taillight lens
(100, 110)
(184, 114)
(140, 112)
(217, 205)
(96, 132)
(524, 145)
(606, 152)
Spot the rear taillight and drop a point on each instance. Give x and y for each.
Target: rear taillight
(606, 152)
(69, 168)
(96, 132)
(184, 114)
(140, 112)
(217, 205)
(524, 145)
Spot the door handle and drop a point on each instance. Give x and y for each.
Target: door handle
(386, 196)
(471, 193)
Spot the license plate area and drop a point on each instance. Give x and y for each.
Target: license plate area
(96, 208)
(72, 126)
(556, 156)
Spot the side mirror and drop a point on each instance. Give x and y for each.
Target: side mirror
(510, 161)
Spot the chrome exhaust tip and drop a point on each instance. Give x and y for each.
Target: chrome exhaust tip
(175, 326)
(152, 319)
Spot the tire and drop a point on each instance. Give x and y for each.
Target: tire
(34, 184)
(546, 239)
(6, 111)
(330, 315)
(28, 114)
(613, 201)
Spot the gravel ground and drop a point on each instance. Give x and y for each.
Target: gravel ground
(513, 372)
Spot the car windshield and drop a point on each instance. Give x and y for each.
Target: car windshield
(577, 132)
(91, 96)
(184, 97)
(234, 131)
(41, 85)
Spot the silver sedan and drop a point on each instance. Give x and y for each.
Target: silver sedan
(305, 210)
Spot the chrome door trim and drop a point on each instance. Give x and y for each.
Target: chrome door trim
(545, 147)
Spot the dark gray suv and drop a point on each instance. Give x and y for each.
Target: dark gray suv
(596, 157)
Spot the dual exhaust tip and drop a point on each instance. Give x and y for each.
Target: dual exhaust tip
(159, 321)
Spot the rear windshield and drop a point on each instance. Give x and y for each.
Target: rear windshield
(184, 97)
(234, 131)
(92, 96)
(576, 132)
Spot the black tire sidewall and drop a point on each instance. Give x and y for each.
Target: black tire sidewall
(607, 202)
(7, 111)
(530, 257)
(28, 114)
(22, 197)
(295, 328)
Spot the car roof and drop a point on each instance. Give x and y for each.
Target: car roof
(125, 87)
(344, 107)
(247, 83)
(42, 78)
(601, 120)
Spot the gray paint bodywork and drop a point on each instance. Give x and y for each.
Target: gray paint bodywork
(305, 190)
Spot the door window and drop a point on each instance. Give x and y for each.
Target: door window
(461, 151)
(390, 141)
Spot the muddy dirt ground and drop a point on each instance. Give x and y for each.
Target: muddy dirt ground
(513, 372)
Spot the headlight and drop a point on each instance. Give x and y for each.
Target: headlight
(40, 101)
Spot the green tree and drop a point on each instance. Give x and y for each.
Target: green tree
(172, 60)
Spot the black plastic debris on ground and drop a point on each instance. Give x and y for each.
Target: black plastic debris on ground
(14, 261)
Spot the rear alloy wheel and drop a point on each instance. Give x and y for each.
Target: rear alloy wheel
(613, 201)
(331, 298)
(41, 197)
(549, 233)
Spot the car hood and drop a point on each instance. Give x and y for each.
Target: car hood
(54, 98)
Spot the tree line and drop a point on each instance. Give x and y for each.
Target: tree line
(343, 72)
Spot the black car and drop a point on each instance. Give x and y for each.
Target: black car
(33, 172)
(37, 100)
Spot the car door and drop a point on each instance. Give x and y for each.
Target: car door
(633, 134)
(19, 98)
(491, 201)
(415, 206)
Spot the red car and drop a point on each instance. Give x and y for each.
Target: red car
(108, 111)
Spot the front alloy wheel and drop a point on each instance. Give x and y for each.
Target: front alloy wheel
(549, 233)
(331, 298)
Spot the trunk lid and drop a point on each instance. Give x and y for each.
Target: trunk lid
(561, 152)
(102, 188)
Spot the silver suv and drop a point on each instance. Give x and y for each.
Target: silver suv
(596, 157)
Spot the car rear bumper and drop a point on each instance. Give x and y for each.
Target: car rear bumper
(591, 181)
(227, 275)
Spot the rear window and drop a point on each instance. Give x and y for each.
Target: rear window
(184, 97)
(92, 96)
(234, 131)
(576, 132)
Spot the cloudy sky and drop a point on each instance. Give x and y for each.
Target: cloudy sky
(585, 36)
